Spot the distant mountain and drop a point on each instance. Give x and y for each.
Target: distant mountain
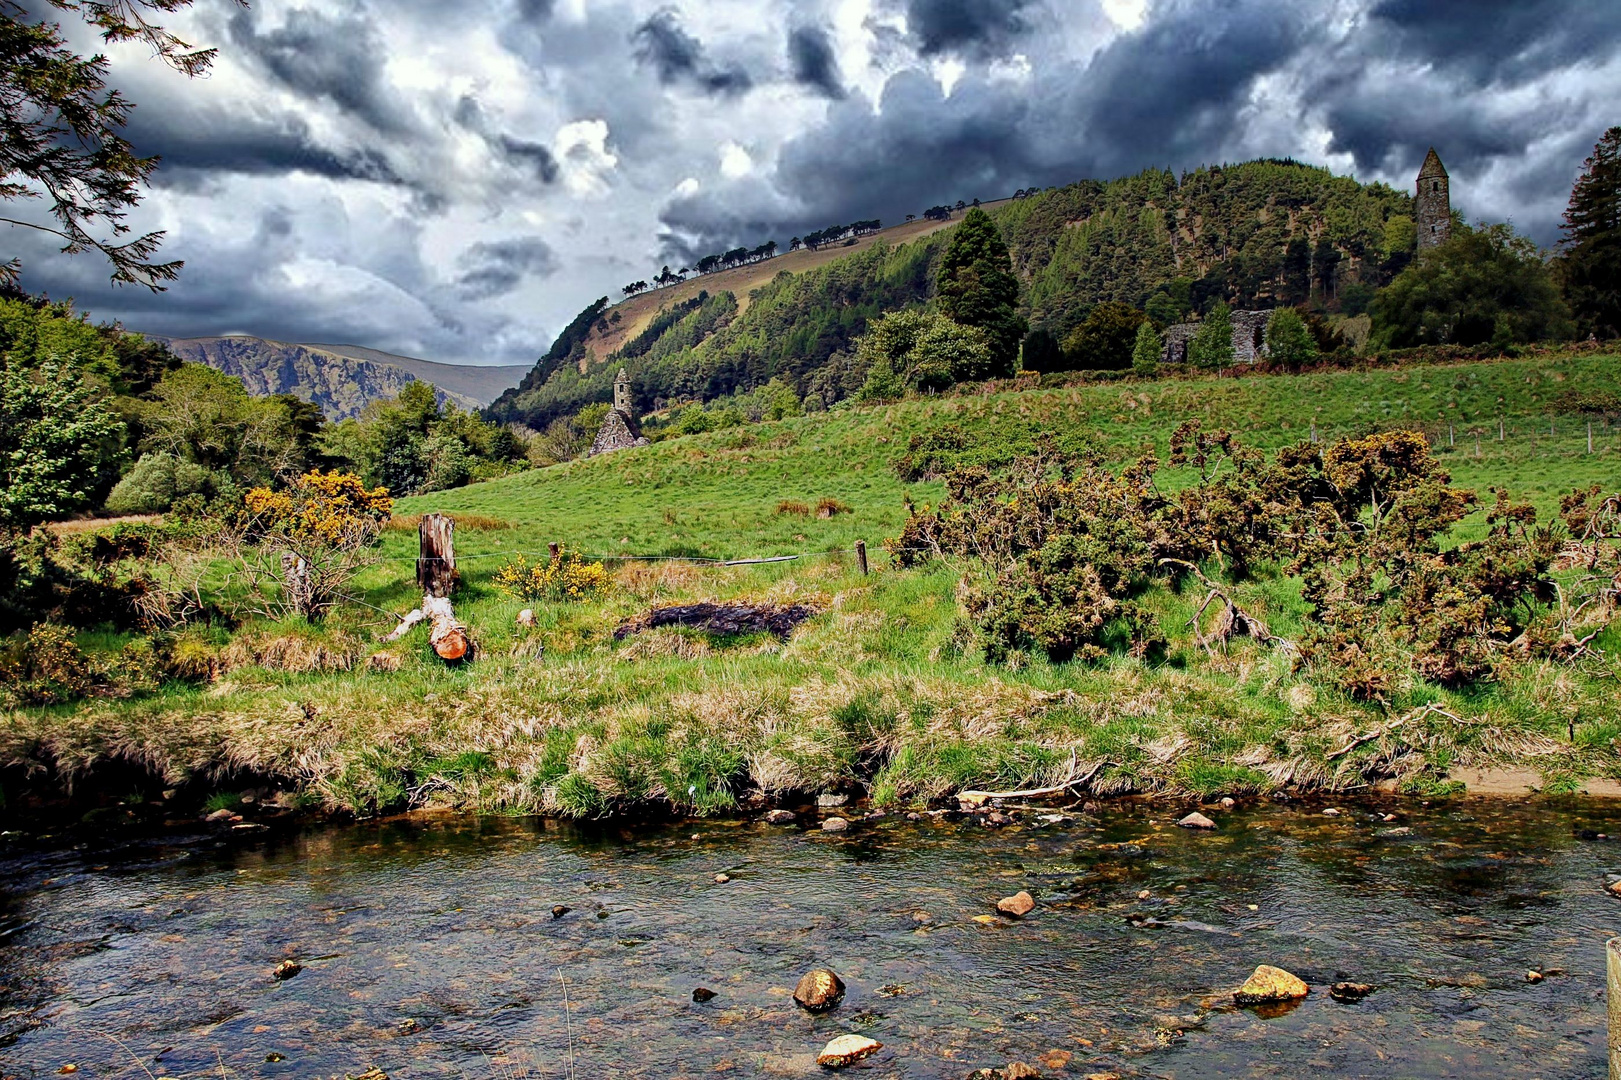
(341, 379)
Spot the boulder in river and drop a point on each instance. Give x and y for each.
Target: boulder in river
(819, 990)
(1018, 905)
(286, 970)
(835, 824)
(1196, 820)
(1269, 984)
(830, 799)
(721, 879)
(1614, 888)
(1349, 991)
(1018, 1070)
(847, 1050)
(702, 994)
(780, 817)
(559, 910)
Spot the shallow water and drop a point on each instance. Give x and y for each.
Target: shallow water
(429, 948)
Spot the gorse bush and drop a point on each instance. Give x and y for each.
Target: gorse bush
(567, 577)
(299, 547)
(1062, 551)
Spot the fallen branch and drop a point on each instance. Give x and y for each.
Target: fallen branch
(977, 797)
(1232, 620)
(1417, 714)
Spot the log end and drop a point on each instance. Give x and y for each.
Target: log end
(453, 647)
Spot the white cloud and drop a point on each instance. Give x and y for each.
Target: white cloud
(734, 161)
(581, 149)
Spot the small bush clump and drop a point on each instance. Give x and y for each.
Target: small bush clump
(797, 509)
(567, 577)
(829, 507)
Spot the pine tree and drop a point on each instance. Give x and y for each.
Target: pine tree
(1145, 352)
(1212, 347)
(978, 288)
(1591, 267)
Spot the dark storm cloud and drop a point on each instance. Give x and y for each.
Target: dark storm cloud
(536, 11)
(678, 57)
(523, 154)
(1489, 40)
(339, 58)
(974, 27)
(192, 145)
(813, 62)
(1169, 94)
(494, 268)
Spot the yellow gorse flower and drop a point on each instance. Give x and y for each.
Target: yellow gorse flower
(568, 577)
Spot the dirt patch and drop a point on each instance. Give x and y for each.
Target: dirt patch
(1524, 782)
(775, 619)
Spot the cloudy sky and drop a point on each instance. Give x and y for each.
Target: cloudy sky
(454, 180)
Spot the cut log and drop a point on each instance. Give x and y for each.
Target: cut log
(447, 634)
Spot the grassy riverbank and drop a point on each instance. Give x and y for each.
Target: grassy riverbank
(883, 687)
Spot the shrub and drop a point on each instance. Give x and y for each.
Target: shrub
(46, 667)
(828, 507)
(1104, 342)
(567, 577)
(156, 481)
(300, 547)
(1288, 339)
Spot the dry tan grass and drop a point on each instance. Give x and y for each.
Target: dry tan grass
(294, 653)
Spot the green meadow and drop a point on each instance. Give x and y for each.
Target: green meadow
(884, 688)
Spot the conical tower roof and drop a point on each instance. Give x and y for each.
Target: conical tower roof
(1432, 165)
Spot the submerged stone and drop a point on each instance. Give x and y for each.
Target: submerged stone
(1268, 984)
(847, 1050)
(286, 970)
(1349, 991)
(780, 817)
(1196, 820)
(835, 824)
(819, 990)
(1018, 905)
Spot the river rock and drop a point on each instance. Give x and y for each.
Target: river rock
(1228, 802)
(286, 970)
(559, 910)
(819, 990)
(1614, 888)
(1018, 905)
(835, 824)
(832, 799)
(702, 994)
(721, 879)
(1349, 991)
(780, 817)
(1534, 976)
(221, 815)
(1018, 1070)
(1270, 983)
(1196, 820)
(847, 1050)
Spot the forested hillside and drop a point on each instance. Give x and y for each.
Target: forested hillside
(1258, 234)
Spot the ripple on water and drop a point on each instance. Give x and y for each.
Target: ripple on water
(430, 948)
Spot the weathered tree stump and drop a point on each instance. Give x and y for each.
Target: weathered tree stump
(436, 554)
(436, 573)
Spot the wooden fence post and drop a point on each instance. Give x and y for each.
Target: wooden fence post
(1450, 440)
(436, 554)
(861, 556)
(551, 549)
(1499, 429)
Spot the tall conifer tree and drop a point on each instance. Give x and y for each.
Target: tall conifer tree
(978, 288)
(1591, 267)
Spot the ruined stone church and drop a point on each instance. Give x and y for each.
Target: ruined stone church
(619, 430)
(1432, 206)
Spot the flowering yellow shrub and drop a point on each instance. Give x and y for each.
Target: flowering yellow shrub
(325, 508)
(568, 577)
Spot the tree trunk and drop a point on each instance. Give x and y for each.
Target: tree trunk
(436, 555)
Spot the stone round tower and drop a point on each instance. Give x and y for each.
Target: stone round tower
(622, 392)
(1434, 202)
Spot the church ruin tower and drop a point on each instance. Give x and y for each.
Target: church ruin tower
(622, 381)
(1434, 202)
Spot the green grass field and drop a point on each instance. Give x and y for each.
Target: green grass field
(880, 688)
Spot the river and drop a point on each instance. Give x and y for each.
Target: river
(429, 947)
